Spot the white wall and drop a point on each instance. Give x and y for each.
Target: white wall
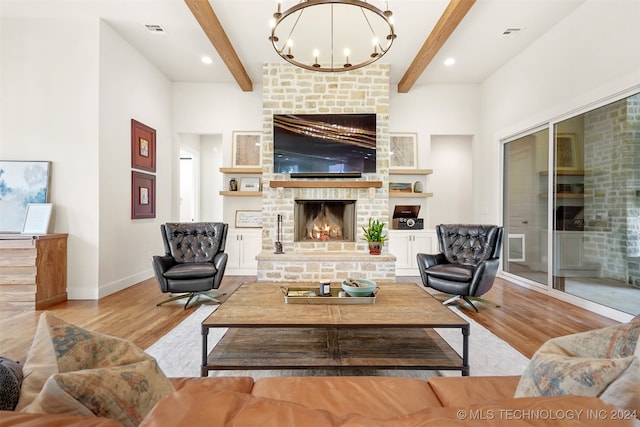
(591, 54)
(130, 88)
(70, 87)
(49, 83)
(453, 202)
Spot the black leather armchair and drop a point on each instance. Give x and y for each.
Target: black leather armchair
(467, 264)
(194, 260)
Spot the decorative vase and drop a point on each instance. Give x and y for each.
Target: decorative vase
(417, 187)
(375, 248)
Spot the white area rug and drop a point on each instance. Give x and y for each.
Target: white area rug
(179, 352)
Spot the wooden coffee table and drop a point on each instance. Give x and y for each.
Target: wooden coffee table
(396, 332)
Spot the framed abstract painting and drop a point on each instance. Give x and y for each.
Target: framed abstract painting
(21, 183)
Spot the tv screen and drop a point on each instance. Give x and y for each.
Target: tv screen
(324, 143)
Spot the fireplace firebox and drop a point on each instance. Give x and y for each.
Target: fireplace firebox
(324, 220)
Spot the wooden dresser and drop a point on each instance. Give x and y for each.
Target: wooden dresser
(33, 270)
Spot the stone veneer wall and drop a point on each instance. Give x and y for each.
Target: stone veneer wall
(612, 183)
(291, 90)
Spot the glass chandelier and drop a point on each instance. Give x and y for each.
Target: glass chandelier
(332, 35)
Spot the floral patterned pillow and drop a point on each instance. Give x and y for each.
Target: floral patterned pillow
(124, 393)
(603, 363)
(90, 359)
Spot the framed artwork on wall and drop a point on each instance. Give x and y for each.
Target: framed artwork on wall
(21, 183)
(143, 146)
(143, 195)
(403, 150)
(247, 149)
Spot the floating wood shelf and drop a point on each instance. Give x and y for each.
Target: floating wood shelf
(410, 171)
(325, 184)
(408, 194)
(241, 193)
(241, 170)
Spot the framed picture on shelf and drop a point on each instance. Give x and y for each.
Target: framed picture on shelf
(37, 218)
(403, 150)
(143, 147)
(248, 219)
(249, 183)
(247, 149)
(143, 195)
(566, 152)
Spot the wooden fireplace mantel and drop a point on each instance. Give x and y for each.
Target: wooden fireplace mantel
(325, 184)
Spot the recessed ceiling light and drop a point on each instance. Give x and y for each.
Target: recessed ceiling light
(207, 60)
(449, 62)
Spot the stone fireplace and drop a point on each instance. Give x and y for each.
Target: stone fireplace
(331, 254)
(324, 220)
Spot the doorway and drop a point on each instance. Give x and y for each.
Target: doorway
(200, 161)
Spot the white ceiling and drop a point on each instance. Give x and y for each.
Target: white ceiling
(478, 44)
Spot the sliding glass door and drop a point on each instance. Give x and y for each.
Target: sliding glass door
(597, 205)
(585, 198)
(525, 211)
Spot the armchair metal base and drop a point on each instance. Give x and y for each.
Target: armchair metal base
(210, 295)
(468, 300)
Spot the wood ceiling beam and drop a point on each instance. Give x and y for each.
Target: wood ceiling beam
(450, 19)
(211, 26)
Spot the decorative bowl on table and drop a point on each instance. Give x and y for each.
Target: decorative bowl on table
(365, 287)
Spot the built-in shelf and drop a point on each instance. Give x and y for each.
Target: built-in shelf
(241, 193)
(410, 171)
(325, 184)
(408, 194)
(241, 170)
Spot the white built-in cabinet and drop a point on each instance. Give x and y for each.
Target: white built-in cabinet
(406, 244)
(243, 245)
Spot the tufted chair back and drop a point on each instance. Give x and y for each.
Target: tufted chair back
(194, 242)
(469, 244)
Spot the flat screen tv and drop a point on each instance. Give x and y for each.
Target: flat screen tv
(324, 143)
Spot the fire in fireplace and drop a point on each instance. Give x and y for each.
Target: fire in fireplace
(324, 220)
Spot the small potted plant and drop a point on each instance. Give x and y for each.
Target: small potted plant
(373, 235)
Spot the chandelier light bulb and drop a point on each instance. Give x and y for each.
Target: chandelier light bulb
(375, 48)
(347, 64)
(289, 46)
(278, 14)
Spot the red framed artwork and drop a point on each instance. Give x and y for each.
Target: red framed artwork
(143, 146)
(143, 195)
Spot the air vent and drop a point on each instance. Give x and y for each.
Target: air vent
(512, 31)
(154, 28)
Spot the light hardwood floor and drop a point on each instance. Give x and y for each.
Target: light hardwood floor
(525, 319)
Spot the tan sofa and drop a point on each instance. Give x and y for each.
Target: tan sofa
(75, 377)
(352, 401)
